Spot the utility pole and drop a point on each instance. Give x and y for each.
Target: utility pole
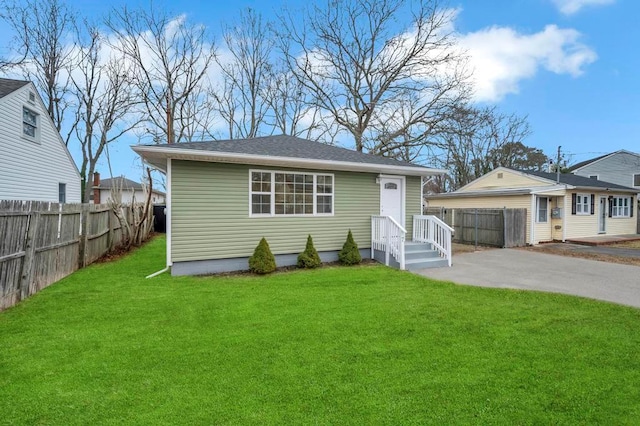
(558, 166)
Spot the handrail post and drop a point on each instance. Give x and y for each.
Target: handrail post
(387, 247)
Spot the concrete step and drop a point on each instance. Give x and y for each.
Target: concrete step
(434, 262)
(422, 254)
(410, 246)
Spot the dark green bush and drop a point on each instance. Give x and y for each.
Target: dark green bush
(309, 258)
(262, 261)
(349, 255)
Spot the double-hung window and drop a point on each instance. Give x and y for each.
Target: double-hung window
(29, 123)
(583, 204)
(620, 206)
(543, 209)
(274, 193)
(62, 192)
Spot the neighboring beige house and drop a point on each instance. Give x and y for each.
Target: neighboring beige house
(131, 191)
(35, 164)
(574, 207)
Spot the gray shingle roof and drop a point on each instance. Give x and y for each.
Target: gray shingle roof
(579, 181)
(9, 86)
(289, 146)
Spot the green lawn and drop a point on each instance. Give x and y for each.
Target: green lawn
(363, 345)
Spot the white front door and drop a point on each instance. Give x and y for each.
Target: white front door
(602, 215)
(391, 201)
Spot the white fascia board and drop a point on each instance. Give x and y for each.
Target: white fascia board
(151, 153)
(485, 193)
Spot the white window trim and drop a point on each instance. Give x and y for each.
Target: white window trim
(546, 219)
(616, 208)
(588, 198)
(35, 138)
(273, 197)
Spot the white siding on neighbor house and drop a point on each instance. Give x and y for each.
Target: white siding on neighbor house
(617, 168)
(127, 196)
(33, 170)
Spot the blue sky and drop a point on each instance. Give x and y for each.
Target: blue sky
(570, 65)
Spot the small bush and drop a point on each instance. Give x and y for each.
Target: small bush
(262, 261)
(349, 255)
(309, 258)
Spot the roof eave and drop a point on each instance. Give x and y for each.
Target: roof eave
(157, 157)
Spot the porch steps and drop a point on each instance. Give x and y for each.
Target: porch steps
(421, 256)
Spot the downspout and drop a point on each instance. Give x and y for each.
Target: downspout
(155, 274)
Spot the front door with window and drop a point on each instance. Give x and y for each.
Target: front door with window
(391, 203)
(602, 215)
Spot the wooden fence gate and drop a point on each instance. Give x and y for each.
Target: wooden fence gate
(490, 227)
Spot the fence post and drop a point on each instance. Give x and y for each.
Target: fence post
(476, 246)
(111, 225)
(504, 227)
(84, 236)
(26, 277)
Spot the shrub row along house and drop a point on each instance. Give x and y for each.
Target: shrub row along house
(224, 196)
(573, 207)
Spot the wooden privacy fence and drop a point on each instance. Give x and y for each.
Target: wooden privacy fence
(491, 227)
(41, 243)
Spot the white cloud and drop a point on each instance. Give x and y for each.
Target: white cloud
(501, 57)
(569, 7)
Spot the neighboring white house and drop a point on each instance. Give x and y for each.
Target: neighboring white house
(102, 190)
(621, 167)
(35, 164)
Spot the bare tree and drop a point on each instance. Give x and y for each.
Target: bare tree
(388, 89)
(243, 97)
(170, 59)
(474, 141)
(104, 98)
(43, 31)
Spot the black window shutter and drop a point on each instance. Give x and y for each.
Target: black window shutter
(573, 203)
(593, 203)
(632, 207)
(610, 206)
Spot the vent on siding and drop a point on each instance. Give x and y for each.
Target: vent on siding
(32, 97)
(499, 175)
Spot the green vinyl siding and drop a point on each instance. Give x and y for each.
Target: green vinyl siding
(210, 213)
(413, 202)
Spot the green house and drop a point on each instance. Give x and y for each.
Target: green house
(224, 196)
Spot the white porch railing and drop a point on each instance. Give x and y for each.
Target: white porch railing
(388, 236)
(431, 230)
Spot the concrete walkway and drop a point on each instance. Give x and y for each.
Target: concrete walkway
(524, 269)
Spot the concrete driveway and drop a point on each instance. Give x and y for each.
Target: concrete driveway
(524, 269)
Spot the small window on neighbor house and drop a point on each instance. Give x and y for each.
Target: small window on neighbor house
(543, 209)
(500, 175)
(636, 180)
(32, 97)
(593, 177)
(583, 203)
(29, 123)
(390, 185)
(62, 192)
(620, 207)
